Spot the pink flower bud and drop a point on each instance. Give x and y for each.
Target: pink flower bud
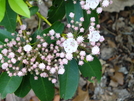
(69, 56)
(23, 27)
(1, 56)
(71, 15)
(42, 66)
(4, 65)
(95, 50)
(81, 19)
(61, 71)
(51, 32)
(54, 80)
(81, 30)
(11, 55)
(81, 63)
(52, 70)
(65, 61)
(27, 48)
(89, 58)
(82, 53)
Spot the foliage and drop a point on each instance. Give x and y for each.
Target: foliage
(37, 60)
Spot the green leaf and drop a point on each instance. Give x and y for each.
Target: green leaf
(75, 8)
(8, 84)
(2, 9)
(5, 34)
(92, 69)
(24, 88)
(87, 17)
(33, 10)
(43, 88)
(56, 11)
(20, 7)
(9, 21)
(58, 28)
(69, 80)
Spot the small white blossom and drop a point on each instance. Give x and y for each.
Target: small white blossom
(20, 73)
(70, 45)
(94, 36)
(1, 56)
(42, 66)
(61, 71)
(4, 65)
(27, 48)
(95, 50)
(92, 3)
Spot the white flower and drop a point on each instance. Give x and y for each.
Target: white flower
(61, 71)
(11, 55)
(4, 65)
(92, 3)
(52, 70)
(27, 48)
(95, 50)
(20, 73)
(1, 56)
(89, 58)
(70, 45)
(42, 66)
(94, 36)
(69, 56)
(80, 39)
(69, 35)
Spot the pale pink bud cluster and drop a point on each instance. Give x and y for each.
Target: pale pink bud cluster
(19, 56)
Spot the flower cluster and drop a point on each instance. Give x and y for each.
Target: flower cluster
(44, 58)
(19, 56)
(93, 4)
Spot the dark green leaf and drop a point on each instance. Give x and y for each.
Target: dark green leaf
(43, 88)
(20, 7)
(92, 69)
(8, 84)
(2, 9)
(69, 80)
(75, 8)
(5, 34)
(56, 11)
(9, 20)
(24, 88)
(87, 17)
(33, 10)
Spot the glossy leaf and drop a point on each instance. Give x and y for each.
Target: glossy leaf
(87, 17)
(91, 69)
(20, 7)
(8, 84)
(9, 20)
(24, 87)
(33, 10)
(58, 28)
(75, 8)
(43, 88)
(69, 80)
(56, 11)
(2, 9)
(5, 34)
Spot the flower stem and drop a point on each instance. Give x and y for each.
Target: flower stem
(19, 20)
(39, 15)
